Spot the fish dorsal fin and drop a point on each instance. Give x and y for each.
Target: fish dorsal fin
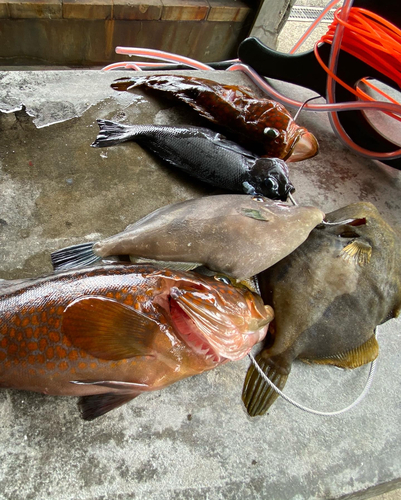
(357, 251)
(107, 329)
(353, 358)
(175, 266)
(96, 405)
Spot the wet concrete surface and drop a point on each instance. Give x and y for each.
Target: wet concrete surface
(194, 439)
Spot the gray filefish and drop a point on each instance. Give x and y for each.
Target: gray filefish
(329, 295)
(205, 155)
(108, 334)
(237, 235)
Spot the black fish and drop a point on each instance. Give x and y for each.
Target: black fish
(206, 155)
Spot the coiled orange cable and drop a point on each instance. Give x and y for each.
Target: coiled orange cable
(371, 39)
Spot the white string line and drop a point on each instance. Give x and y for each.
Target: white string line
(310, 410)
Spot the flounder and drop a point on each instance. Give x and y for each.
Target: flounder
(238, 235)
(108, 334)
(261, 125)
(329, 295)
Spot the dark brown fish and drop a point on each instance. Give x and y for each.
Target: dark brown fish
(263, 126)
(329, 295)
(108, 334)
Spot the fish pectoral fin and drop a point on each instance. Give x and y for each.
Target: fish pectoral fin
(175, 266)
(357, 251)
(108, 329)
(96, 405)
(257, 394)
(126, 387)
(365, 353)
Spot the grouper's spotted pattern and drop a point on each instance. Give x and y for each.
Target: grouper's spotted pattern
(31, 336)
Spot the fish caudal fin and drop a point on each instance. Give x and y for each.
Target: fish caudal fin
(73, 257)
(257, 394)
(112, 133)
(96, 405)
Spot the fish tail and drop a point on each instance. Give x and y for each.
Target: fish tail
(112, 133)
(74, 256)
(257, 394)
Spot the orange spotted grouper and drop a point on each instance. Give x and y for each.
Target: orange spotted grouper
(263, 126)
(109, 333)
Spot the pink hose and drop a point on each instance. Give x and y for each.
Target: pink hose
(163, 56)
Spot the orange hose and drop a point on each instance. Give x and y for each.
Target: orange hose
(371, 39)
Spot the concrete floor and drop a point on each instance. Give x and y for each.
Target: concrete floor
(192, 440)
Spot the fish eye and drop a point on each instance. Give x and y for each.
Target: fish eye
(271, 133)
(259, 199)
(223, 279)
(271, 183)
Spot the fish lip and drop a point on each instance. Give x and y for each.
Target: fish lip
(305, 147)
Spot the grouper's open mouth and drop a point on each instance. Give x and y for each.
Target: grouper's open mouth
(209, 329)
(189, 332)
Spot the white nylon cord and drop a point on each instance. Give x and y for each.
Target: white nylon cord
(310, 410)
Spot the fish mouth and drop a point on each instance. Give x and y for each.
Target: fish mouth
(206, 328)
(189, 332)
(305, 147)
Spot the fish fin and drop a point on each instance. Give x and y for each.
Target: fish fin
(74, 256)
(127, 387)
(353, 358)
(254, 214)
(251, 283)
(96, 405)
(257, 394)
(175, 266)
(107, 329)
(358, 251)
(112, 133)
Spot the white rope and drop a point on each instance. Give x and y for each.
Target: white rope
(317, 412)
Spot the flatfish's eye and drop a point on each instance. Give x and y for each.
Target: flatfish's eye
(258, 198)
(271, 133)
(223, 279)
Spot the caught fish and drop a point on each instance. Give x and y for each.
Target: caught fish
(111, 333)
(205, 155)
(259, 124)
(329, 295)
(238, 235)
